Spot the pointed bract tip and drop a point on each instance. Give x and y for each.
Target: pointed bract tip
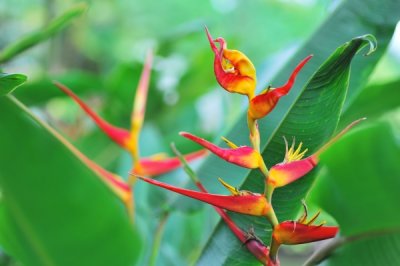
(211, 41)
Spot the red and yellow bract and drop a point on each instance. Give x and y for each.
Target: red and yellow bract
(233, 69)
(262, 104)
(243, 156)
(299, 232)
(246, 203)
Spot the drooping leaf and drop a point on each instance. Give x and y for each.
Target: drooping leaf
(9, 82)
(56, 211)
(288, 120)
(359, 187)
(39, 36)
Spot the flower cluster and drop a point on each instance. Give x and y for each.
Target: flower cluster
(152, 166)
(235, 73)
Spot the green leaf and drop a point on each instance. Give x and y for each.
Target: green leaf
(359, 186)
(35, 38)
(373, 101)
(310, 116)
(55, 210)
(9, 82)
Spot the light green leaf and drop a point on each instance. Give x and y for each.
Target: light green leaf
(56, 211)
(9, 82)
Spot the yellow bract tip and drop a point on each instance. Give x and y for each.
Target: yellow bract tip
(232, 189)
(229, 143)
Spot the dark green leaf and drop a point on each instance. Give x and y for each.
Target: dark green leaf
(55, 210)
(33, 39)
(9, 82)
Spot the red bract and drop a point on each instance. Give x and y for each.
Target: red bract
(292, 233)
(264, 103)
(252, 243)
(299, 232)
(244, 202)
(234, 70)
(243, 156)
(129, 140)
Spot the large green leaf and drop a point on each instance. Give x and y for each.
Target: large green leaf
(39, 36)
(55, 210)
(311, 116)
(9, 82)
(374, 101)
(359, 186)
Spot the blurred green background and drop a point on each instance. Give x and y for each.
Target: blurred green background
(100, 57)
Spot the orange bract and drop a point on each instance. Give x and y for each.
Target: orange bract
(233, 69)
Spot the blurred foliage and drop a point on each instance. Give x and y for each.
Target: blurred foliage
(100, 56)
(365, 178)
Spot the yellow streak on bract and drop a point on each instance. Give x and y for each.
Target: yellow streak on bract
(232, 189)
(229, 143)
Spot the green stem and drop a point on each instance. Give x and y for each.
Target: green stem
(254, 133)
(268, 191)
(185, 165)
(271, 216)
(264, 170)
(157, 238)
(273, 251)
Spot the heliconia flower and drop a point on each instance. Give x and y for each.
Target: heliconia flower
(234, 70)
(129, 139)
(243, 156)
(264, 103)
(245, 202)
(294, 167)
(300, 232)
